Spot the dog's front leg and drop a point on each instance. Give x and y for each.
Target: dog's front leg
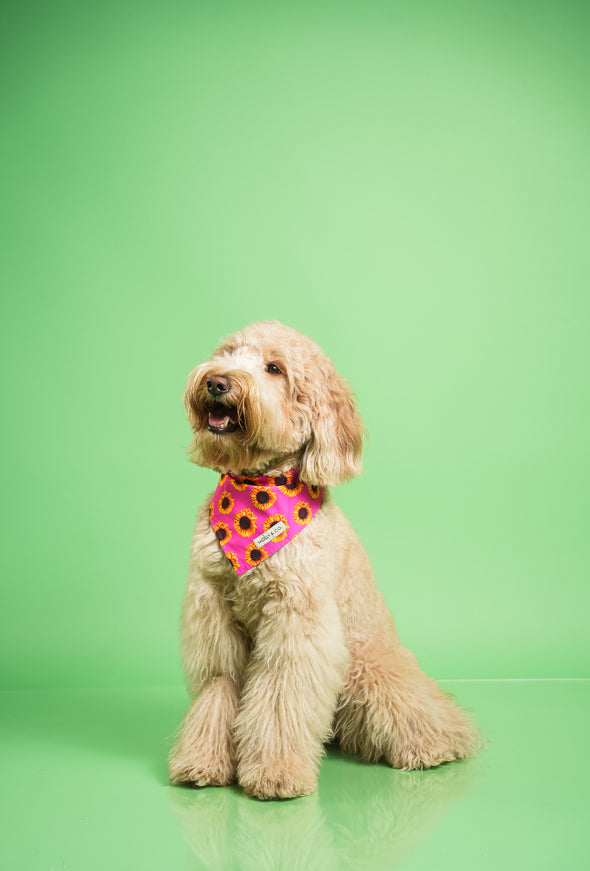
(214, 651)
(293, 679)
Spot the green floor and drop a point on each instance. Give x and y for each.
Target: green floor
(84, 787)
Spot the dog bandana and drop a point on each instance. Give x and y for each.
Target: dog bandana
(252, 518)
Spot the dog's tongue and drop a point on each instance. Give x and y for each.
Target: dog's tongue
(221, 414)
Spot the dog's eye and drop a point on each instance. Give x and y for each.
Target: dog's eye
(273, 369)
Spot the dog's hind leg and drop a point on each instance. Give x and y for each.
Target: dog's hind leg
(389, 709)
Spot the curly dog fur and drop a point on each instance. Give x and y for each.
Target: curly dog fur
(301, 648)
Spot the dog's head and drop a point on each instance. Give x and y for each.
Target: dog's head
(269, 396)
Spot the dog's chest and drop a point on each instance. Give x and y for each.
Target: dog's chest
(246, 594)
(285, 578)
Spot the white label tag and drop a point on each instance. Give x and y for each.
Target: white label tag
(271, 533)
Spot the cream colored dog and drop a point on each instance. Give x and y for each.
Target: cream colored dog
(301, 648)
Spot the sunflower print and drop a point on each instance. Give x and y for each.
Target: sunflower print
(288, 484)
(302, 513)
(211, 510)
(245, 522)
(270, 521)
(225, 503)
(254, 555)
(314, 491)
(262, 498)
(238, 484)
(222, 532)
(233, 558)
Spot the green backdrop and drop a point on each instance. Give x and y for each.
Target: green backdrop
(409, 184)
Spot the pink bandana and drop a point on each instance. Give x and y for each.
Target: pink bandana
(252, 518)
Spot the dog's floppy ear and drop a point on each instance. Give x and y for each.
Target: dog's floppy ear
(333, 452)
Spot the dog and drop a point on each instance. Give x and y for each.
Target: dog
(286, 641)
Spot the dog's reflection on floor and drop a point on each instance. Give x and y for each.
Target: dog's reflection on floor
(372, 817)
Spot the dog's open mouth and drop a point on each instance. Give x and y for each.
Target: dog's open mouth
(223, 418)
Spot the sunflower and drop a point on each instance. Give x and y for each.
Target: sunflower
(211, 510)
(275, 518)
(289, 484)
(237, 483)
(254, 555)
(225, 503)
(314, 491)
(245, 523)
(233, 558)
(302, 513)
(222, 532)
(263, 498)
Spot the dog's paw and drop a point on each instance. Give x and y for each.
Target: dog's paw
(417, 760)
(276, 780)
(201, 769)
(428, 752)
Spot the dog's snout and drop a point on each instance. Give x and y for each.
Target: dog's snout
(218, 384)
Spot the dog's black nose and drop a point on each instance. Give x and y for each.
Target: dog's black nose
(217, 384)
